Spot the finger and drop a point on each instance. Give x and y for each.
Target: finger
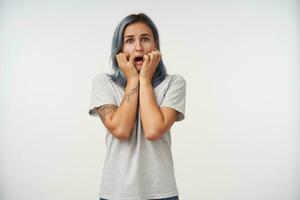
(155, 51)
(159, 53)
(124, 56)
(152, 57)
(127, 55)
(151, 54)
(118, 58)
(156, 57)
(132, 57)
(146, 60)
(120, 55)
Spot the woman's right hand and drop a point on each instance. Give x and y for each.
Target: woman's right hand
(127, 66)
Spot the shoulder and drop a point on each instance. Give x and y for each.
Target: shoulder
(176, 78)
(102, 78)
(103, 81)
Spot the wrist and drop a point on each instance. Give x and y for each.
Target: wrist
(144, 80)
(133, 81)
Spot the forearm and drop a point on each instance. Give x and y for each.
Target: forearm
(125, 116)
(151, 116)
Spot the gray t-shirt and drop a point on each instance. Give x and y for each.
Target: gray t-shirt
(137, 168)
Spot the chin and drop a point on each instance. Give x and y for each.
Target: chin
(138, 68)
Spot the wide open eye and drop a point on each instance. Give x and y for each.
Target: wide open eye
(129, 41)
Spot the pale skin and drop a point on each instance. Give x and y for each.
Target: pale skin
(139, 93)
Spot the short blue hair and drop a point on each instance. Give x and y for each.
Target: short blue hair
(117, 43)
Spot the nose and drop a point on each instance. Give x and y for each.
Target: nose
(138, 46)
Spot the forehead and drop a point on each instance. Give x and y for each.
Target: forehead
(137, 28)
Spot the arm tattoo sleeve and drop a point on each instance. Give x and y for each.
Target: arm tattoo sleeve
(130, 94)
(105, 110)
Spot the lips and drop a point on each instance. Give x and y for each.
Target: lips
(139, 60)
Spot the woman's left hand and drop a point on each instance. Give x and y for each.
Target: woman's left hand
(150, 64)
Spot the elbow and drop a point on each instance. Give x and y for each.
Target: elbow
(121, 133)
(152, 135)
(152, 138)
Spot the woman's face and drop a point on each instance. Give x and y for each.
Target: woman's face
(138, 39)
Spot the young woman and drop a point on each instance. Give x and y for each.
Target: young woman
(138, 103)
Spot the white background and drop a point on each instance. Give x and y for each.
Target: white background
(240, 138)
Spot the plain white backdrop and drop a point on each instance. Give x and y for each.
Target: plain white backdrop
(240, 138)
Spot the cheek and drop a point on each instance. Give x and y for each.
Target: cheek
(127, 49)
(150, 47)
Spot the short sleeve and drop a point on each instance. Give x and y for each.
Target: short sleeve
(175, 96)
(102, 93)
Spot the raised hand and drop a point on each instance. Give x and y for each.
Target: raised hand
(150, 64)
(126, 64)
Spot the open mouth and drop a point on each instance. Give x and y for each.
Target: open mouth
(139, 59)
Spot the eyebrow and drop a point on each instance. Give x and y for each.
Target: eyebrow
(144, 34)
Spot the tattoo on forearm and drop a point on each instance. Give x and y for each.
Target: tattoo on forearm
(106, 110)
(130, 94)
